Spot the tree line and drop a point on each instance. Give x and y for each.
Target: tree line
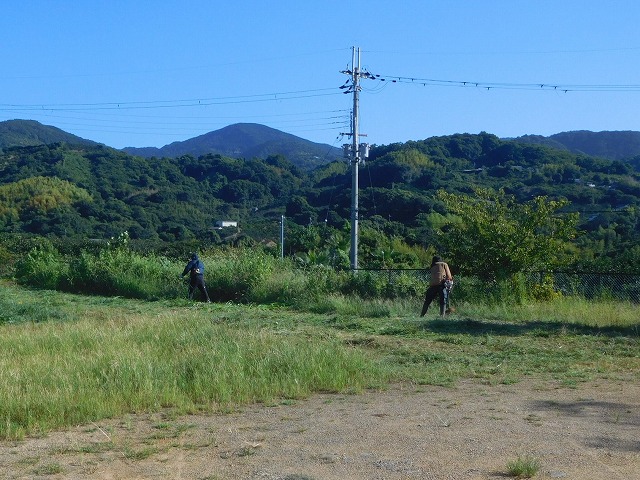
(416, 198)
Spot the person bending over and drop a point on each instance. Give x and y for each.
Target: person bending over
(195, 269)
(440, 273)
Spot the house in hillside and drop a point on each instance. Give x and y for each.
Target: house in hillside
(220, 224)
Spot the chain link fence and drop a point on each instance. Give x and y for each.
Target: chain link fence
(589, 285)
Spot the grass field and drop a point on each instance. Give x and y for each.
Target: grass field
(70, 359)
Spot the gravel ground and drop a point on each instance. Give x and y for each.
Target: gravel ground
(470, 431)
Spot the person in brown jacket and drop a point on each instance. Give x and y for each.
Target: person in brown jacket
(440, 273)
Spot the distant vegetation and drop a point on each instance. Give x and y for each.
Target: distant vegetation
(28, 132)
(247, 140)
(89, 194)
(615, 145)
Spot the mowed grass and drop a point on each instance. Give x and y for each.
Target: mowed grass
(69, 359)
(569, 341)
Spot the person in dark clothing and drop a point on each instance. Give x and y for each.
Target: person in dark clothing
(195, 269)
(440, 274)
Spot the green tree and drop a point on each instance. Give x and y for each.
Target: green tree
(499, 237)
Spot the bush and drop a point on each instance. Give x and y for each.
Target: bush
(404, 286)
(232, 273)
(124, 273)
(364, 284)
(43, 267)
(545, 290)
(247, 275)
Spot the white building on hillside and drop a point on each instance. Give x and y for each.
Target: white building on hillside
(220, 224)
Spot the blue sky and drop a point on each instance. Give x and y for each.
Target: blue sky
(140, 73)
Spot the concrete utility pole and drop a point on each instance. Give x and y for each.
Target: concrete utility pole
(355, 152)
(281, 236)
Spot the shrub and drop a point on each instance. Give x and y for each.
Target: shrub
(232, 273)
(545, 290)
(404, 286)
(42, 267)
(364, 284)
(125, 273)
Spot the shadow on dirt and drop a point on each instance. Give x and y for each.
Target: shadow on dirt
(614, 416)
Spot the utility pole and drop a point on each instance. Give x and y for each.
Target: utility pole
(355, 152)
(282, 236)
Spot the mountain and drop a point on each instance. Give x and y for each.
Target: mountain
(612, 145)
(242, 140)
(247, 140)
(250, 140)
(96, 192)
(23, 133)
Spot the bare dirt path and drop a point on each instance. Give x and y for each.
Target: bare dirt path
(470, 431)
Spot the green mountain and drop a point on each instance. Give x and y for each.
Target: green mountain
(29, 132)
(104, 192)
(242, 140)
(614, 145)
(80, 192)
(247, 140)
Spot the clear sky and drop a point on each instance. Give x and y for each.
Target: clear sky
(148, 73)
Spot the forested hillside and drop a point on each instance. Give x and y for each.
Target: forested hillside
(241, 140)
(613, 145)
(247, 140)
(29, 132)
(95, 192)
(163, 199)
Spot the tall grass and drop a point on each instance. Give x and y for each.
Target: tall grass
(70, 359)
(523, 467)
(232, 274)
(111, 271)
(239, 275)
(54, 374)
(248, 276)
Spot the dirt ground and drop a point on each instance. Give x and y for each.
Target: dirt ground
(470, 431)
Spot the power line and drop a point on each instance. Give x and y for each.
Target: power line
(506, 85)
(121, 112)
(195, 102)
(198, 119)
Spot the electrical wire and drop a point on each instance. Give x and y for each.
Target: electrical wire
(507, 86)
(122, 112)
(195, 102)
